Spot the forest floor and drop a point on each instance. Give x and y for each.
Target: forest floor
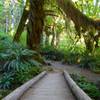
(74, 69)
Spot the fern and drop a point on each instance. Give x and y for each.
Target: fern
(18, 58)
(6, 80)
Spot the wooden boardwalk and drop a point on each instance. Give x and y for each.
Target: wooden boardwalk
(52, 87)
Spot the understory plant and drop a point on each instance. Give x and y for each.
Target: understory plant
(18, 64)
(87, 61)
(73, 54)
(52, 53)
(90, 61)
(6, 80)
(90, 88)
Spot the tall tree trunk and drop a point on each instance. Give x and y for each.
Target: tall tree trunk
(96, 39)
(22, 22)
(7, 21)
(53, 35)
(46, 40)
(57, 39)
(53, 40)
(35, 25)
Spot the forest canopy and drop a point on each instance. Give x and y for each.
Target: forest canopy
(33, 16)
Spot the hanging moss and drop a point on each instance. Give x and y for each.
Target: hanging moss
(35, 14)
(81, 21)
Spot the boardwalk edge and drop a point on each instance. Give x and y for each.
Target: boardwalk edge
(76, 90)
(17, 93)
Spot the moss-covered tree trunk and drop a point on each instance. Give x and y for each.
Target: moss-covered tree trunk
(34, 12)
(35, 25)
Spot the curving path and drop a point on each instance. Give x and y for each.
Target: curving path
(52, 87)
(93, 77)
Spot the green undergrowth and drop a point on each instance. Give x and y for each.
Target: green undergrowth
(52, 53)
(90, 88)
(10, 82)
(74, 55)
(18, 64)
(91, 61)
(3, 93)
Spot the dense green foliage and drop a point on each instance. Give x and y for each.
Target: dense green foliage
(17, 63)
(52, 53)
(89, 61)
(90, 88)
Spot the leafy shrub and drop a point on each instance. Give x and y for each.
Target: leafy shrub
(91, 62)
(11, 80)
(52, 53)
(72, 58)
(73, 54)
(23, 76)
(6, 80)
(35, 71)
(5, 43)
(89, 87)
(20, 61)
(18, 58)
(87, 61)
